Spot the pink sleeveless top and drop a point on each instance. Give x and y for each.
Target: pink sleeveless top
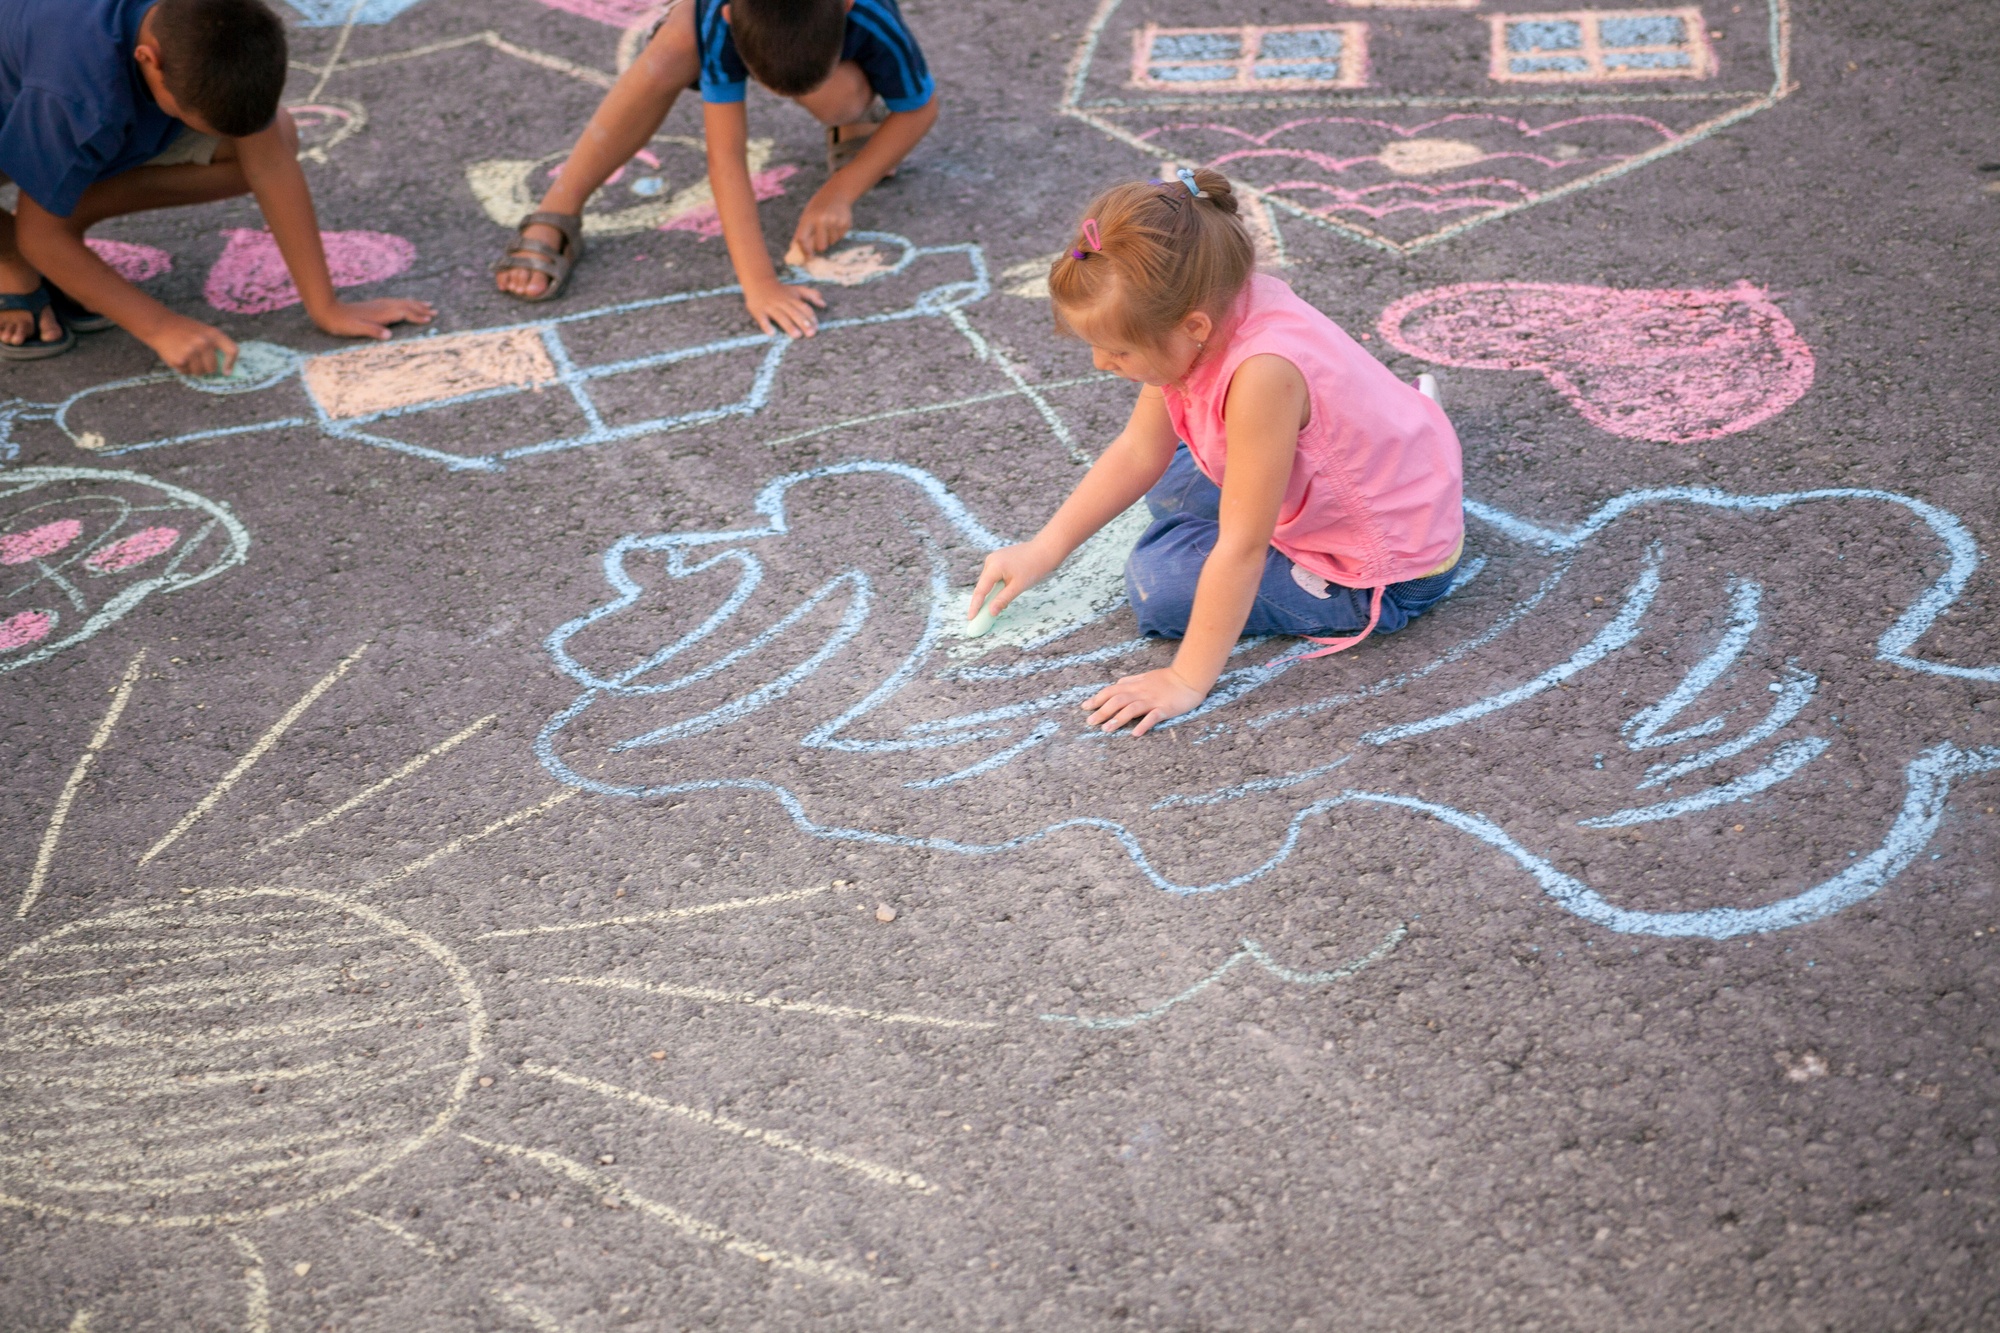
(1375, 493)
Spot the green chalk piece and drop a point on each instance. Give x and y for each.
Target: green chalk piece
(984, 620)
(258, 365)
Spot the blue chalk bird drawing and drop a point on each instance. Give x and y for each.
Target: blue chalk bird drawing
(1709, 693)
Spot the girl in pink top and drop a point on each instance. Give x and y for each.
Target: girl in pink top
(1296, 485)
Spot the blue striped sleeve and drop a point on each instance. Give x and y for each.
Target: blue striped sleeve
(724, 76)
(881, 43)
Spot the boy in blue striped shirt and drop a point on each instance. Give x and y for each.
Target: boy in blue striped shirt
(852, 63)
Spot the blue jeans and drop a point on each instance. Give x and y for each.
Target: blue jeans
(1161, 573)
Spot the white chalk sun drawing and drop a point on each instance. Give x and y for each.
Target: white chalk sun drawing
(902, 734)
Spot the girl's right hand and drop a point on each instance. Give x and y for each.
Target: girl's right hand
(1020, 567)
(782, 309)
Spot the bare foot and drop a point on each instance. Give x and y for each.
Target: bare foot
(18, 326)
(523, 281)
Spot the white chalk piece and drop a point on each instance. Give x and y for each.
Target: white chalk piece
(258, 365)
(984, 620)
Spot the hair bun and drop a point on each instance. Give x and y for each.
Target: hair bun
(1216, 186)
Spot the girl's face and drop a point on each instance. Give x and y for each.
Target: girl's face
(1155, 366)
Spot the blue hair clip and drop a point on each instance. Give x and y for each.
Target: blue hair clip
(1187, 179)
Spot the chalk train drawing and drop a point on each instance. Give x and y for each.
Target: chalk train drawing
(1401, 129)
(1668, 365)
(775, 626)
(364, 393)
(79, 548)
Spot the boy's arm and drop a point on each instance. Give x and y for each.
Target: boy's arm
(59, 254)
(271, 167)
(1126, 470)
(726, 128)
(829, 215)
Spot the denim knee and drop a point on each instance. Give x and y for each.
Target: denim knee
(1162, 572)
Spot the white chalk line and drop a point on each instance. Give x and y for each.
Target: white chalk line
(208, 955)
(597, 78)
(771, 1138)
(668, 914)
(146, 1000)
(256, 1291)
(45, 855)
(538, 1318)
(606, 1187)
(986, 352)
(710, 996)
(442, 747)
(217, 1154)
(102, 1037)
(257, 751)
(990, 396)
(458, 844)
(408, 1237)
(332, 1159)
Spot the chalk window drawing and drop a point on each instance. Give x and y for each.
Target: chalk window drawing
(1597, 46)
(1251, 58)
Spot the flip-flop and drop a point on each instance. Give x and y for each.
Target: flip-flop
(41, 348)
(539, 257)
(77, 317)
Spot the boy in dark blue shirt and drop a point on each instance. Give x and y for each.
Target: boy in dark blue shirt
(852, 63)
(110, 107)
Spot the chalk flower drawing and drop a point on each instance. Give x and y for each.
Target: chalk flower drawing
(80, 547)
(1402, 125)
(901, 738)
(1669, 365)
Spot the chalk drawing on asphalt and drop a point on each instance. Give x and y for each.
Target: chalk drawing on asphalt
(764, 626)
(385, 395)
(1672, 365)
(1403, 129)
(81, 547)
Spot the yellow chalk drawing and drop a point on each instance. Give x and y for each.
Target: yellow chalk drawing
(508, 189)
(45, 854)
(426, 370)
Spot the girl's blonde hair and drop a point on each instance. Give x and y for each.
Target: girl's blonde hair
(1148, 256)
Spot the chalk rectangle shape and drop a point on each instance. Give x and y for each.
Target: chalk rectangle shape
(404, 375)
(1600, 46)
(1251, 58)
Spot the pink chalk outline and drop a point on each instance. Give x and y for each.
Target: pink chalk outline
(1668, 365)
(251, 278)
(133, 262)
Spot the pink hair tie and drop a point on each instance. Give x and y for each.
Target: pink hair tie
(1091, 238)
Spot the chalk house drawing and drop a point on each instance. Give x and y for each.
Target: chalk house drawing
(1674, 366)
(1401, 125)
(80, 547)
(899, 730)
(385, 395)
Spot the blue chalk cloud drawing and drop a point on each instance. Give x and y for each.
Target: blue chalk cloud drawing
(1700, 695)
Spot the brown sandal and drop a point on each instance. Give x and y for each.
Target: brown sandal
(538, 257)
(840, 151)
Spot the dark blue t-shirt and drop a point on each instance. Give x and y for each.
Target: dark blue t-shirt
(877, 40)
(73, 107)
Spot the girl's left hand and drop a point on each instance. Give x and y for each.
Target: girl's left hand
(1150, 698)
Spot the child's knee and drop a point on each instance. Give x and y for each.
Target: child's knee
(843, 99)
(1160, 580)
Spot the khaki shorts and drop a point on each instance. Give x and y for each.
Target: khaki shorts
(191, 148)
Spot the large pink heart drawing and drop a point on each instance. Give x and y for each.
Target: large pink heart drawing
(250, 278)
(1667, 364)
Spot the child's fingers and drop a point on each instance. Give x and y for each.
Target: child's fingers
(1148, 722)
(812, 294)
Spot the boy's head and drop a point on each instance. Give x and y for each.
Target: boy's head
(789, 46)
(224, 61)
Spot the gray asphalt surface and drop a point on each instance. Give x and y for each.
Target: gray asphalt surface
(866, 991)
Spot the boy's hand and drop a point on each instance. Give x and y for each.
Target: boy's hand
(192, 347)
(1020, 567)
(371, 319)
(1149, 698)
(781, 309)
(828, 217)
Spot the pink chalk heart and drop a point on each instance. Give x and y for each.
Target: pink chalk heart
(134, 262)
(1667, 365)
(18, 548)
(250, 278)
(136, 549)
(24, 629)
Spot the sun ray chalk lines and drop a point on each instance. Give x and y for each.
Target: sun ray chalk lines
(256, 1290)
(607, 1187)
(45, 853)
(770, 1138)
(708, 995)
(458, 844)
(408, 769)
(667, 914)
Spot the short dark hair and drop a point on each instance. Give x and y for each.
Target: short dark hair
(225, 60)
(791, 46)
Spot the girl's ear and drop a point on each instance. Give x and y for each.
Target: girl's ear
(1198, 326)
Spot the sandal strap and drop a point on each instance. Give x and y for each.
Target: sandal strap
(33, 302)
(569, 224)
(532, 263)
(529, 246)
